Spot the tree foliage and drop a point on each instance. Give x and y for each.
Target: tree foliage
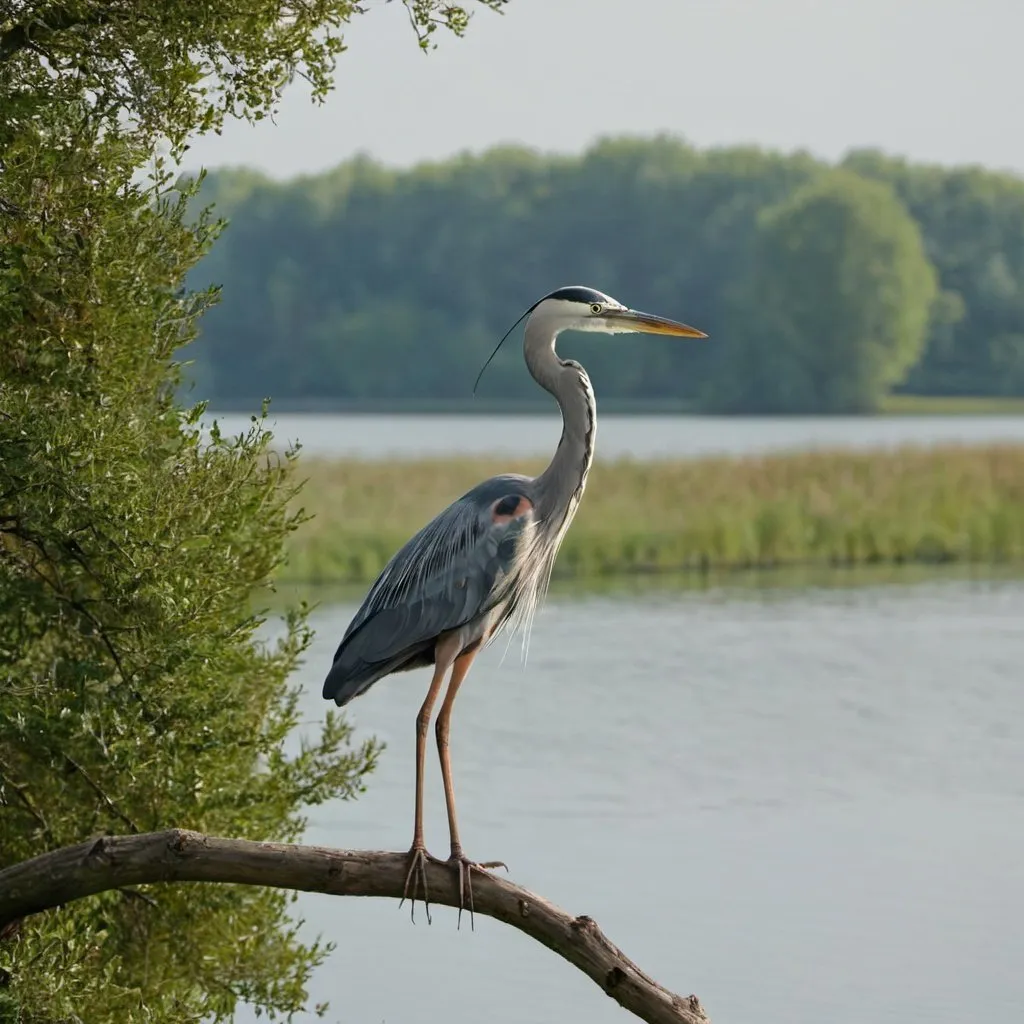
(366, 282)
(835, 306)
(136, 689)
(973, 226)
(174, 67)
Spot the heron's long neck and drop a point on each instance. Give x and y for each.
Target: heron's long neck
(560, 486)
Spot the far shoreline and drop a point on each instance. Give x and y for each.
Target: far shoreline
(893, 405)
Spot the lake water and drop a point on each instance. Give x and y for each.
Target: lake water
(641, 437)
(805, 805)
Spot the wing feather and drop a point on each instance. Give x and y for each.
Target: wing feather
(454, 570)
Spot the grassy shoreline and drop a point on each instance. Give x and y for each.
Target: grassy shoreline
(908, 506)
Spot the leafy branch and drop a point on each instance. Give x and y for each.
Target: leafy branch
(39, 28)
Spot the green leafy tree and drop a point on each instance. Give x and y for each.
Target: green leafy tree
(136, 689)
(835, 304)
(1007, 351)
(463, 245)
(972, 221)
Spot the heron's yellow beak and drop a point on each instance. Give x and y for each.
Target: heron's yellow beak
(647, 323)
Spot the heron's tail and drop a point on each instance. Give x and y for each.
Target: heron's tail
(351, 675)
(348, 678)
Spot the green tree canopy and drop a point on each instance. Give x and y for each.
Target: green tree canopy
(835, 306)
(973, 225)
(354, 266)
(136, 690)
(456, 250)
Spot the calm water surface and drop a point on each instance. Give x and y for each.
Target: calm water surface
(642, 437)
(795, 803)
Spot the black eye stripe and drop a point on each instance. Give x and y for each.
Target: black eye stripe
(578, 293)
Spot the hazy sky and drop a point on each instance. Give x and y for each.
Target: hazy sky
(936, 80)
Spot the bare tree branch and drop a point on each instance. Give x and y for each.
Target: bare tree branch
(42, 25)
(178, 855)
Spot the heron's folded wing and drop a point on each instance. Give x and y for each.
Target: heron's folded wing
(446, 575)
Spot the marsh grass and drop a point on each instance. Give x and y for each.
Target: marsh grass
(911, 505)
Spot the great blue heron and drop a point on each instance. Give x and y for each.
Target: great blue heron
(486, 560)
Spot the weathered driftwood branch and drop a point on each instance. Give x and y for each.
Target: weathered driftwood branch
(178, 855)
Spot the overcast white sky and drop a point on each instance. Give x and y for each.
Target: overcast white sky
(936, 80)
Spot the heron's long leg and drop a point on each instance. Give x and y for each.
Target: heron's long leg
(444, 655)
(443, 728)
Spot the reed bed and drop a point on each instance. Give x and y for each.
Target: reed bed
(909, 505)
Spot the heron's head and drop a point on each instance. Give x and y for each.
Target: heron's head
(578, 308)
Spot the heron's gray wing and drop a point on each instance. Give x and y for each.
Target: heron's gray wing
(445, 576)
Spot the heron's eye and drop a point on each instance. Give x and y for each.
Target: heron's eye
(595, 308)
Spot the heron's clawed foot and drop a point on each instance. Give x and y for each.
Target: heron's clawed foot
(415, 878)
(466, 867)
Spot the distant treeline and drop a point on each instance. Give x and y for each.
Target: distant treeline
(822, 287)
